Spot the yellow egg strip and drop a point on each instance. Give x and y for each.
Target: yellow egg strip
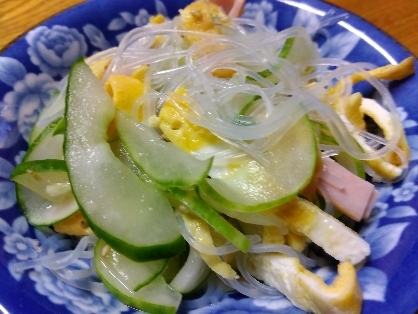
(157, 19)
(307, 290)
(124, 91)
(390, 165)
(339, 241)
(73, 225)
(202, 16)
(296, 241)
(273, 235)
(99, 67)
(200, 230)
(355, 108)
(140, 72)
(353, 112)
(178, 130)
(389, 72)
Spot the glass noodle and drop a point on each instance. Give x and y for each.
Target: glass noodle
(248, 49)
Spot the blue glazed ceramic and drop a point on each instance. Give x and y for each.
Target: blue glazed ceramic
(29, 71)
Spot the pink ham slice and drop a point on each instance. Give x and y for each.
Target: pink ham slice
(231, 7)
(350, 194)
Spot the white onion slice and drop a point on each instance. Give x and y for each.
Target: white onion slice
(264, 289)
(243, 288)
(191, 274)
(284, 249)
(89, 285)
(76, 274)
(215, 291)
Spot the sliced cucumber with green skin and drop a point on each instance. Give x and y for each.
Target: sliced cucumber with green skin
(287, 47)
(120, 152)
(119, 274)
(256, 218)
(212, 217)
(250, 187)
(52, 110)
(174, 265)
(37, 129)
(302, 50)
(165, 163)
(38, 210)
(47, 145)
(42, 175)
(60, 127)
(42, 212)
(132, 216)
(135, 274)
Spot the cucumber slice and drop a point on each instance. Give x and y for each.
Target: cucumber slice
(132, 216)
(163, 162)
(43, 191)
(120, 152)
(174, 265)
(60, 127)
(42, 212)
(119, 274)
(135, 274)
(250, 187)
(42, 177)
(38, 210)
(48, 144)
(36, 130)
(212, 217)
(302, 50)
(53, 109)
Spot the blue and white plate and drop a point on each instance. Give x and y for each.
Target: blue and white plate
(29, 71)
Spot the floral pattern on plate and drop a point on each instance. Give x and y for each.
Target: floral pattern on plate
(28, 81)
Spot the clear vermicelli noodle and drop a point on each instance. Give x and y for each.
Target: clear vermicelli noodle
(237, 47)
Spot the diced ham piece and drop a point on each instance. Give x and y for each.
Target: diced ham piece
(350, 194)
(233, 8)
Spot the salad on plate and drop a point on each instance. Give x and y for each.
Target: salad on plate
(209, 150)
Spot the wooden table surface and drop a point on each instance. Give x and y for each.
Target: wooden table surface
(397, 18)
